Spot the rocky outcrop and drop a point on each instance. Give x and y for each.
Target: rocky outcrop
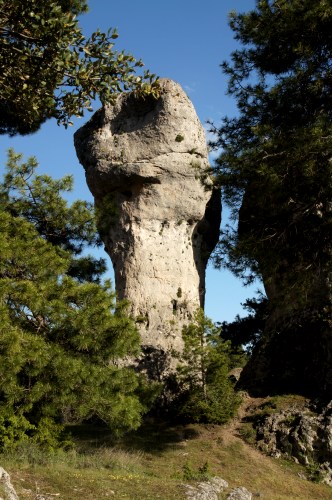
(305, 436)
(7, 485)
(146, 164)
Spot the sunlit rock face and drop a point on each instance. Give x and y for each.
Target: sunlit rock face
(146, 164)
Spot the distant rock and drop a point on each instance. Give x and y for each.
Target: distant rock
(146, 164)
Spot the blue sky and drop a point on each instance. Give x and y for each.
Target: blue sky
(185, 40)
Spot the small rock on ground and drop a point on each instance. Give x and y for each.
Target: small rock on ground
(208, 490)
(239, 494)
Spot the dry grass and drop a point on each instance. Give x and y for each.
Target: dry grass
(150, 464)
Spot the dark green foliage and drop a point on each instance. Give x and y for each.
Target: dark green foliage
(39, 199)
(201, 474)
(247, 331)
(206, 393)
(61, 337)
(50, 70)
(294, 359)
(276, 171)
(277, 153)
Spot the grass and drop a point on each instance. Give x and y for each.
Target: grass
(155, 462)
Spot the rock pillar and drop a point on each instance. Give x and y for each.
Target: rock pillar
(146, 164)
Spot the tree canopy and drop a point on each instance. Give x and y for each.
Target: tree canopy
(276, 171)
(61, 334)
(276, 160)
(39, 199)
(49, 69)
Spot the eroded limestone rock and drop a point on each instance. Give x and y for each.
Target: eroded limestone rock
(7, 485)
(305, 435)
(240, 493)
(206, 490)
(146, 164)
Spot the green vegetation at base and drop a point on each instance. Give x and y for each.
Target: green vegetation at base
(201, 473)
(206, 393)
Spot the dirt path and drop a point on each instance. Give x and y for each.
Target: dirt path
(248, 406)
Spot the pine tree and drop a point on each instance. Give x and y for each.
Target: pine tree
(206, 393)
(247, 331)
(276, 170)
(61, 337)
(39, 199)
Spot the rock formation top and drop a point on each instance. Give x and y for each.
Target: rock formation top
(146, 163)
(129, 141)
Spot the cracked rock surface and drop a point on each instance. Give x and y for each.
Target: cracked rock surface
(303, 434)
(146, 164)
